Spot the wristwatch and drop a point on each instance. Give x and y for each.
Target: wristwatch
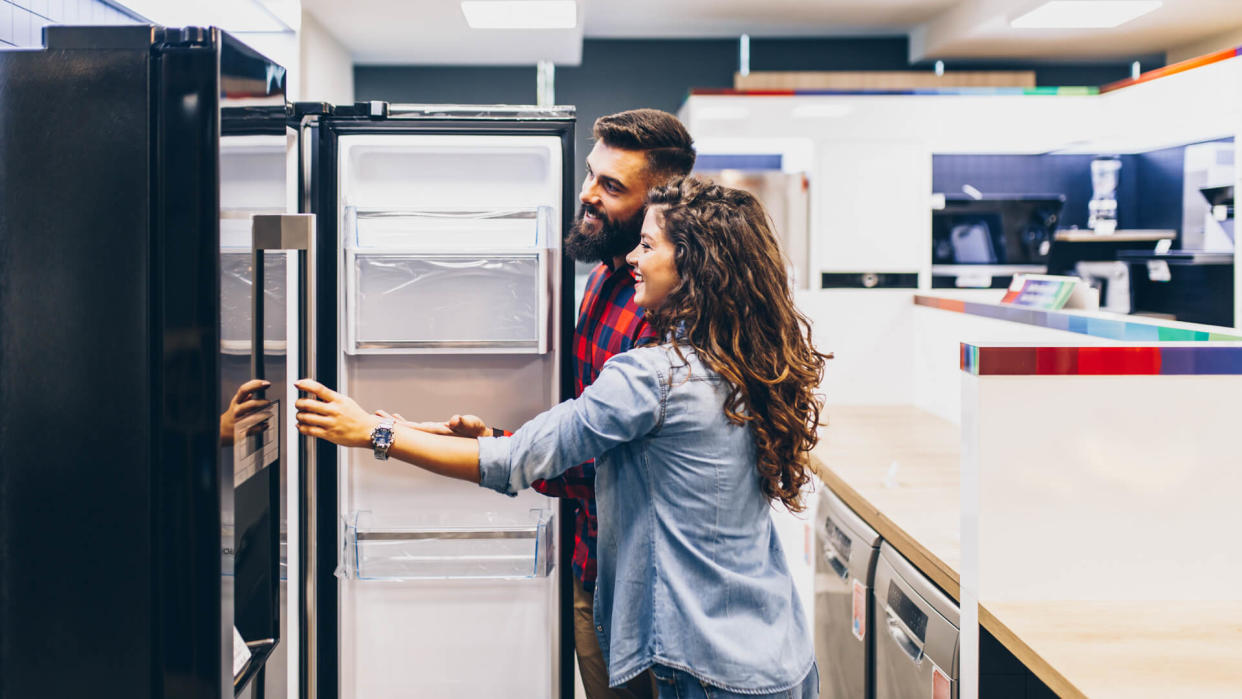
(381, 438)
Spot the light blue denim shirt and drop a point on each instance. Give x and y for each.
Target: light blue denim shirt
(691, 573)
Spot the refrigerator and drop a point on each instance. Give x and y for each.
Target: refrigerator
(149, 268)
(441, 289)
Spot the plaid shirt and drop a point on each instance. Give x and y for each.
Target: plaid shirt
(608, 324)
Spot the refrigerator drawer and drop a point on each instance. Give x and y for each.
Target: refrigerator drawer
(447, 230)
(494, 551)
(428, 303)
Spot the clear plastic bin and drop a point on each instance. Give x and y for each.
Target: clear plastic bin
(422, 552)
(401, 303)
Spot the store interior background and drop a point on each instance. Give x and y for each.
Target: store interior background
(882, 341)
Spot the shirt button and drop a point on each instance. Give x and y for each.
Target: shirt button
(599, 628)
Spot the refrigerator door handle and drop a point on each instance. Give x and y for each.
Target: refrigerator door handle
(283, 231)
(903, 637)
(296, 232)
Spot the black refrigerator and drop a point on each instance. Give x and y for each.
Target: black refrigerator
(152, 301)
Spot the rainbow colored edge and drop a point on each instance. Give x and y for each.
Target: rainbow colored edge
(1108, 328)
(1101, 361)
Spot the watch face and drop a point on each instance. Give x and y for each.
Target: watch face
(383, 438)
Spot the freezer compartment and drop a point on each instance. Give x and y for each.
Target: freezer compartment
(447, 303)
(454, 230)
(493, 550)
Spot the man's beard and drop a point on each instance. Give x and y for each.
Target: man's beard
(613, 240)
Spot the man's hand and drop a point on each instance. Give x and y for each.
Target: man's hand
(456, 426)
(332, 416)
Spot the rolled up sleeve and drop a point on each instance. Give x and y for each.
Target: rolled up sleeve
(624, 403)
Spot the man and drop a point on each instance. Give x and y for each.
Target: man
(634, 151)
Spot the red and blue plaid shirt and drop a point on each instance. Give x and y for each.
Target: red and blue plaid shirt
(609, 323)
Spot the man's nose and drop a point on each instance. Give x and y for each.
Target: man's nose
(589, 193)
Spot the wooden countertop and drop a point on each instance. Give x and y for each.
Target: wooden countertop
(1162, 648)
(917, 510)
(1105, 649)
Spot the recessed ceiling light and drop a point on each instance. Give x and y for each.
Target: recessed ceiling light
(520, 14)
(1084, 14)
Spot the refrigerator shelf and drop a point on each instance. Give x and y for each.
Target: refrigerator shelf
(497, 552)
(401, 302)
(447, 229)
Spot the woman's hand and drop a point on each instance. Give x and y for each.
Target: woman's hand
(332, 416)
(242, 404)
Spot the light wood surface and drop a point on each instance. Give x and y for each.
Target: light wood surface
(1098, 649)
(1136, 650)
(916, 509)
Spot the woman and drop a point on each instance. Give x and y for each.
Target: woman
(693, 439)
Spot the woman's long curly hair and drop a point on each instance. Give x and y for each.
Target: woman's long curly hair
(733, 305)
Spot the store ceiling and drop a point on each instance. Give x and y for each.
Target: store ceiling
(435, 32)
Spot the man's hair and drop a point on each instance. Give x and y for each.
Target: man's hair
(669, 148)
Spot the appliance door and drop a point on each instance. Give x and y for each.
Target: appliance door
(264, 330)
(844, 628)
(448, 274)
(916, 645)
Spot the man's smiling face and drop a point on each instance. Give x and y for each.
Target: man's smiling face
(612, 196)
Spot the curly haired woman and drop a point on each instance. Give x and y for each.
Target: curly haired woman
(694, 438)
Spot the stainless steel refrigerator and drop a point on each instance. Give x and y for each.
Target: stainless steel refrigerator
(441, 290)
(141, 505)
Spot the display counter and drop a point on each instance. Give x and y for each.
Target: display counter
(1076, 493)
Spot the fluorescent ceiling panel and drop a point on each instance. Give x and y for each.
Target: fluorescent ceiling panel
(237, 16)
(520, 14)
(1084, 14)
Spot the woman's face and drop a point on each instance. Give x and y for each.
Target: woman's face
(655, 270)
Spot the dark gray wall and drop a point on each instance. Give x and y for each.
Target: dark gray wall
(619, 74)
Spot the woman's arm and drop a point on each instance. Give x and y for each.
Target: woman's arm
(340, 420)
(623, 404)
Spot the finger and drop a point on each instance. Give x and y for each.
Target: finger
(316, 420)
(398, 416)
(253, 385)
(315, 388)
(384, 414)
(250, 406)
(312, 431)
(313, 406)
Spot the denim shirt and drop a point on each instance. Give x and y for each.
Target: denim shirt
(691, 573)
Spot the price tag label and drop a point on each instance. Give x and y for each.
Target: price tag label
(942, 686)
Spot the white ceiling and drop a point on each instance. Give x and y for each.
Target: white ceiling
(435, 32)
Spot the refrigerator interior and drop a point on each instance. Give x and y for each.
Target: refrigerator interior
(451, 254)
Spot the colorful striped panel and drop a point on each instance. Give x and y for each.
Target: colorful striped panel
(1166, 71)
(1108, 328)
(1021, 91)
(1101, 361)
(1179, 67)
